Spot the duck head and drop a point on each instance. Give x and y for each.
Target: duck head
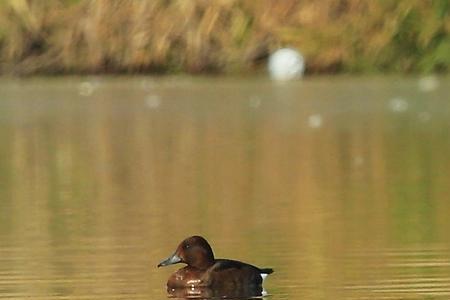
(193, 251)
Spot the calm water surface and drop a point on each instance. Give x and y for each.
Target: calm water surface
(341, 185)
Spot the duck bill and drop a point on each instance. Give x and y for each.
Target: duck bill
(174, 259)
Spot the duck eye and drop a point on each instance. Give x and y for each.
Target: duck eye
(187, 246)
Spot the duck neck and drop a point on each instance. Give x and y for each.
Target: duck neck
(204, 263)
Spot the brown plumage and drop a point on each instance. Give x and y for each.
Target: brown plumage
(203, 270)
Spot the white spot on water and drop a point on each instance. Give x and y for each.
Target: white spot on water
(147, 84)
(153, 101)
(428, 83)
(398, 105)
(286, 64)
(424, 116)
(86, 88)
(254, 102)
(315, 121)
(358, 161)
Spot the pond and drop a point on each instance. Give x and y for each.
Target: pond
(341, 185)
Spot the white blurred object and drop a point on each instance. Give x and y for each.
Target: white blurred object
(86, 88)
(428, 83)
(398, 105)
(153, 101)
(315, 121)
(286, 64)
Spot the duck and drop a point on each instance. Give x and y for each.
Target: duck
(203, 270)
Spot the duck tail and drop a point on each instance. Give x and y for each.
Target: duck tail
(266, 271)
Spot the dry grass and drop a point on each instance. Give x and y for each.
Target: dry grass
(221, 36)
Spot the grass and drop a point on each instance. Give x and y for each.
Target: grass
(223, 36)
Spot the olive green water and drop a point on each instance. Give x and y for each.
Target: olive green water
(341, 185)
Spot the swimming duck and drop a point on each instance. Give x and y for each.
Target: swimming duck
(203, 270)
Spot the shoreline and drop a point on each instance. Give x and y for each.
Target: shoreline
(222, 37)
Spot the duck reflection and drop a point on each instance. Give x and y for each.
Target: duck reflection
(234, 292)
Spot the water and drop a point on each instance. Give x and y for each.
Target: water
(340, 185)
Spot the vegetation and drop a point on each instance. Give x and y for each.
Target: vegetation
(226, 36)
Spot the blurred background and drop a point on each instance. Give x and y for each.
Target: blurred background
(127, 126)
(223, 36)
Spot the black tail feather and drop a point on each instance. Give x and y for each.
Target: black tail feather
(267, 271)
